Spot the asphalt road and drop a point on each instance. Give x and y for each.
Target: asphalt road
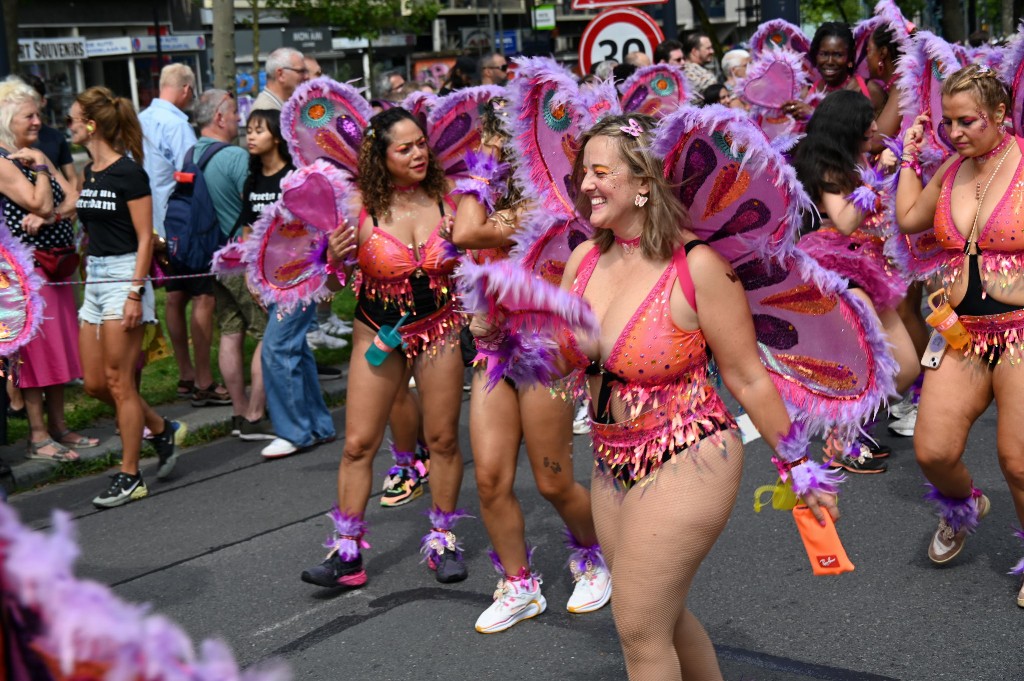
(219, 548)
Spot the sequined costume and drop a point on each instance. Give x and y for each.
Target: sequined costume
(859, 258)
(397, 279)
(994, 326)
(660, 374)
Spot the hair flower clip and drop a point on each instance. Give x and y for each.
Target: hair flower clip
(633, 129)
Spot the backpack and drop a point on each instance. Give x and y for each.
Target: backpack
(190, 226)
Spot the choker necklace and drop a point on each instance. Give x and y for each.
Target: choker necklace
(407, 189)
(629, 245)
(995, 150)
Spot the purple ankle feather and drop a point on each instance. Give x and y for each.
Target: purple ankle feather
(525, 572)
(580, 554)
(402, 458)
(958, 513)
(441, 538)
(348, 534)
(1018, 569)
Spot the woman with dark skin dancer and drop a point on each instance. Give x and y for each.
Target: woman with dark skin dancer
(405, 271)
(501, 418)
(972, 203)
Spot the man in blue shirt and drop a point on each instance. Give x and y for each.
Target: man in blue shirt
(167, 135)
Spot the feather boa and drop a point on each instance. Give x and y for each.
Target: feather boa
(959, 514)
(809, 476)
(348, 534)
(84, 629)
(441, 538)
(1018, 569)
(525, 359)
(582, 557)
(484, 181)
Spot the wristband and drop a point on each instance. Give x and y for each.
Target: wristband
(795, 466)
(137, 300)
(912, 165)
(41, 168)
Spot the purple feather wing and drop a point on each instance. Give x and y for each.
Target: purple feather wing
(453, 125)
(656, 90)
(287, 264)
(1012, 74)
(825, 354)
(325, 119)
(21, 303)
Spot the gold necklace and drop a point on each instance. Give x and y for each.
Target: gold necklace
(980, 195)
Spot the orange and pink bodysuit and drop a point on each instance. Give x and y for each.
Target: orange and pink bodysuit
(659, 374)
(994, 326)
(398, 279)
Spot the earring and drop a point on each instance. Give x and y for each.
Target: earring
(90, 128)
(881, 64)
(640, 200)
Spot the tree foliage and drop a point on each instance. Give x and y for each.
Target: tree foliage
(815, 12)
(363, 18)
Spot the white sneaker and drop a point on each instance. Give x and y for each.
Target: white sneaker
(593, 589)
(319, 339)
(905, 426)
(334, 326)
(277, 448)
(581, 422)
(903, 407)
(514, 600)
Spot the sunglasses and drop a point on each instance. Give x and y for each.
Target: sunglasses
(503, 67)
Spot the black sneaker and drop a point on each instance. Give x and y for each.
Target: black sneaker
(166, 451)
(450, 568)
(858, 460)
(250, 431)
(236, 425)
(337, 572)
(877, 449)
(327, 373)
(123, 488)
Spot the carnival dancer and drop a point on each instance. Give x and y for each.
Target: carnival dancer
(668, 454)
(831, 162)
(406, 281)
(974, 203)
(503, 414)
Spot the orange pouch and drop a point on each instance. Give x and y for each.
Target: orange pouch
(828, 557)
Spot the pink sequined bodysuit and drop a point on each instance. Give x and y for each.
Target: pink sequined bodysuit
(659, 372)
(395, 282)
(993, 325)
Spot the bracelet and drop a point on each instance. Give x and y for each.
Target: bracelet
(784, 467)
(912, 165)
(42, 168)
(137, 300)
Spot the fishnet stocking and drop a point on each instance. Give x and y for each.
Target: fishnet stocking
(654, 538)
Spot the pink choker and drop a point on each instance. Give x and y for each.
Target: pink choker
(629, 245)
(1003, 143)
(407, 189)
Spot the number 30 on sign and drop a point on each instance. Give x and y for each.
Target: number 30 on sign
(614, 33)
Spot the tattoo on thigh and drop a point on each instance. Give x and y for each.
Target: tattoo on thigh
(553, 465)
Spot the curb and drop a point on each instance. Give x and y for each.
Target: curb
(31, 473)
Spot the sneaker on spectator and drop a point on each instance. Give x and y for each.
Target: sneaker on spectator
(327, 373)
(334, 326)
(278, 448)
(903, 407)
(251, 431)
(514, 601)
(904, 427)
(581, 422)
(336, 572)
(236, 424)
(318, 339)
(165, 445)
(123, 488)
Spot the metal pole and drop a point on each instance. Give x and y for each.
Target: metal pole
(156, 27)
(5, 67)
(669, 22)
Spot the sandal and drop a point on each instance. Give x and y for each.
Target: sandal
(76, 441)
(186, 389)
(213, 396)
(61, 453)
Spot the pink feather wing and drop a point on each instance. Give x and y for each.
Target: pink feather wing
(453, 125)
(21, 303)
(325, 119)
(656, 90)
(1012, 73)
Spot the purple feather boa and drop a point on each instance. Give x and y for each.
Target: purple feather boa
(580, 554)
(441, 538)
(484, 180)
(85, 623)
(526, 359)
(348, 534)
(959, 514)
(1018, 569)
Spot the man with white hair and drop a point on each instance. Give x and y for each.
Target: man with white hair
(167, 135)
(286, 70)
(734, 66)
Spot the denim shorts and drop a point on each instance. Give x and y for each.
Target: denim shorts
(104, 302)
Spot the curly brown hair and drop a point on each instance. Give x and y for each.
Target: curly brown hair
(375, 180)
(494, 123)
(665, 217)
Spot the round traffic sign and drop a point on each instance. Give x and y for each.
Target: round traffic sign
(614, 33)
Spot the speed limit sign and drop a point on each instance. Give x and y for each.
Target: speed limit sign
(614, 33)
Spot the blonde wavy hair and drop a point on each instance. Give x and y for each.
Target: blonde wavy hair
(664, 215)
(14, 92)
(981, 82)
